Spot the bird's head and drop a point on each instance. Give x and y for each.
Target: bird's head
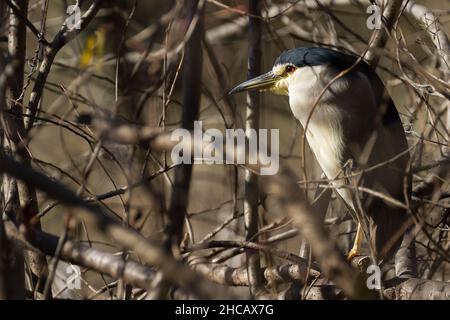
(290, 64)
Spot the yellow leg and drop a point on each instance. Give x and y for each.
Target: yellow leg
(354, 252)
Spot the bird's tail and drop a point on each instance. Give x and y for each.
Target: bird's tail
(393, 237)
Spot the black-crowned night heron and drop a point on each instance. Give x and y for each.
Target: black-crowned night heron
(348, 115)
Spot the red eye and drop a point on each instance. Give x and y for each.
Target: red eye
(290, 69)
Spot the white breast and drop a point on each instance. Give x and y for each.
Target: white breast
(324, 131)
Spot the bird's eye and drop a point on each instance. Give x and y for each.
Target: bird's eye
(290, 69)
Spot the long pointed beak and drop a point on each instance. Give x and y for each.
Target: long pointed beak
(262, 82)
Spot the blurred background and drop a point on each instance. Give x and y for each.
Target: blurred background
(126, 65)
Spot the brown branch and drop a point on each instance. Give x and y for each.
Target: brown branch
(411, 289)
(27, 205)
(84, 256)
(140, 276)
(61, 38)
(192, 70)
(380, 37)
(93, 215)
(246, 245)
(20, 14)
(431, 24)
(11, 258)
(222, 274)
(418, 289)
(251, 190)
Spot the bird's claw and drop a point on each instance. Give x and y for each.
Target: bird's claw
(352, 254)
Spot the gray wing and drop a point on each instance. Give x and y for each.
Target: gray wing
(380, 149)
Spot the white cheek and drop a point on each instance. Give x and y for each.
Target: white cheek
(303, 90)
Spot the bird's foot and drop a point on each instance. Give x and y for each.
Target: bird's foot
(358, 261)
(352, 254)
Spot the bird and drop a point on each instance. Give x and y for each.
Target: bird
(355, 132)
